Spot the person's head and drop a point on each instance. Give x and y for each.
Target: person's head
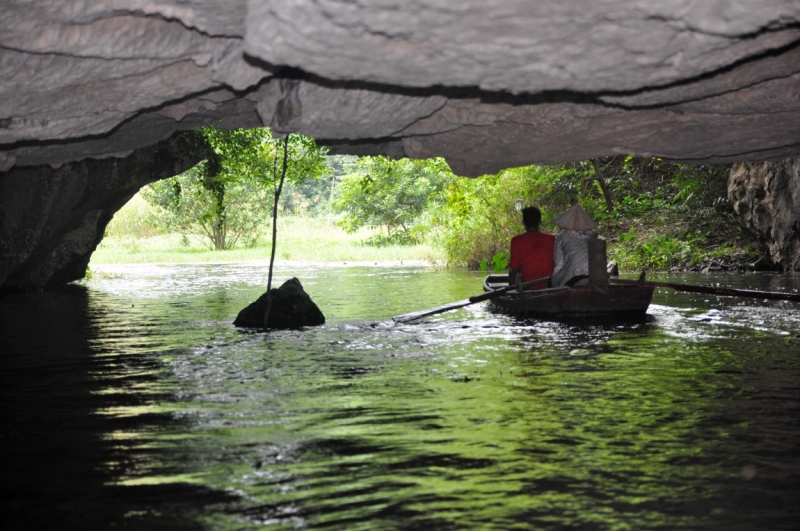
(531, 217)
(575, 218)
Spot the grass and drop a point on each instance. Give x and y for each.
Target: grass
(664, 238)
(131, 239)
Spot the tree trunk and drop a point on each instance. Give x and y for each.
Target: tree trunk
(278, 191)
(599, 176)
(220, 238)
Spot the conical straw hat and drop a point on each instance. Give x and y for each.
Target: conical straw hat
(575, 218)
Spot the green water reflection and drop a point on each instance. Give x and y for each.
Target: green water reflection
(469, 420)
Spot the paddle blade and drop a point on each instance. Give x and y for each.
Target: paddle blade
(433, 311)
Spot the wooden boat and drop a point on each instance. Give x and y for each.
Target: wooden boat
(614, 300)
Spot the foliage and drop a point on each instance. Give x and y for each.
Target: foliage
(314, 197)
(188, 205)
(225, 198)
(392, 194)
(498, 263)
(664, 214)
(479, 217)
(136, 219)
(302, 238)
(669, 214)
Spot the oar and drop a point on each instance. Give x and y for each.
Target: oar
(460, 304)
(727, 292)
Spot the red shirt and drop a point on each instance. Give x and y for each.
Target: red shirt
(532, 254)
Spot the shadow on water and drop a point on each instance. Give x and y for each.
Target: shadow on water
(135, 403)
(61, 463)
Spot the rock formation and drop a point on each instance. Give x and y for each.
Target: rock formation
(291, 308)
(767, 196)
(51, 219)
(487, 84)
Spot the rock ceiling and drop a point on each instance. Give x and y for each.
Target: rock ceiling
(485, 83)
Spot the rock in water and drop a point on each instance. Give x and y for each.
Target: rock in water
(291, 308)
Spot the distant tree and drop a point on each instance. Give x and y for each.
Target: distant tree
(390, 194)
(314, 196)
(225, 198)
(221, 212)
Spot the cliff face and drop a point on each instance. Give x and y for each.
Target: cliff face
(767, 196)
(488, 84)
(51, 220)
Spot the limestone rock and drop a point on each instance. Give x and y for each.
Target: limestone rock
(767, 197)
(291, 308)
(487, 84)
(51, 219)
(516, 46)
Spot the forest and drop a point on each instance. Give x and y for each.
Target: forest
(655, 214)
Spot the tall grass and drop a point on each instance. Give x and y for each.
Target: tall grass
(132, 237)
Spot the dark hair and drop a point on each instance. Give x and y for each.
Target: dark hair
(531, 217)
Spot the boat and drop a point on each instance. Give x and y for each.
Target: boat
(612, 300)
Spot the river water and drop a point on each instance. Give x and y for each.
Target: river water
(132, 402)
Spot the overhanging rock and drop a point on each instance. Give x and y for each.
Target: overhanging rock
(486, 84)
(51, 219)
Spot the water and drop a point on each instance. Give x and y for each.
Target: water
(133, 403)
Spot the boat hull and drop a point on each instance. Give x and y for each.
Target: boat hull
(583, 301)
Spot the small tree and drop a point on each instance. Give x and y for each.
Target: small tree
(219, 209)
(271, 163)
(389, 193)
(224, 198)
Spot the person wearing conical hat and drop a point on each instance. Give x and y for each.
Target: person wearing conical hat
(571, 249)
(531, 251)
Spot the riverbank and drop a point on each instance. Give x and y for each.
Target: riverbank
(300, 239)
(633, 244)
(645, 231)
(674, 218)
(683, 244)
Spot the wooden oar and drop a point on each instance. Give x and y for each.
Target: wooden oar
(727, 292)
(460, 304)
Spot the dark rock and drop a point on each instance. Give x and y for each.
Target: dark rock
(51, 219)
(767, 197)
(520, 82)
(765, 263)
(291, 308)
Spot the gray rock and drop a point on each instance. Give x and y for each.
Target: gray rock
(487, 84)
(51, 219)
(767, 197)
(291, 308)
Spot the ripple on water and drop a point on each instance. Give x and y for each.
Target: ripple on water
(167, 416)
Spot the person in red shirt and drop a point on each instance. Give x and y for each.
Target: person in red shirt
(531, 251)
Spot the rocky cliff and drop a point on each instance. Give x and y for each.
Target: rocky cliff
(767, 197)
(51, 219)
(485, 83)
(85, 87)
